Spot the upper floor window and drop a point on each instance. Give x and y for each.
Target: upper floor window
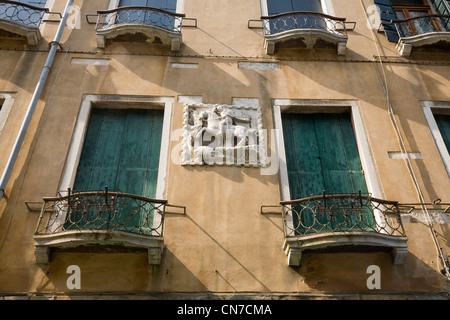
(150, 16)
(416, 24)
(151, 21)
(22, 11)
(22, 18)
(307, 23)
(276, 6)
(416, 10)
(168, 5)
(35, 3)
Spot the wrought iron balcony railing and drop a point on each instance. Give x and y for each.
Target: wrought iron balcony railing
(342, 221)
(422, 25)
(329, 213)
(100, 220)
(149, 16)
(423, 32)
(102, 211)
(282, 22)
(22, 13)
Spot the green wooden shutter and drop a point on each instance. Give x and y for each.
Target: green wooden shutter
(137, 171)
(339, 154)
(100, 155)
(305, 171)
(304, 167)
(322, 155)
(443, 122)
(121, 151)
(387, 14)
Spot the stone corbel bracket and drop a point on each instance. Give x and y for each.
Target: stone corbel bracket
(310, 38)
(97, 241)
(295, 246)
(32, 34)
(140, 33)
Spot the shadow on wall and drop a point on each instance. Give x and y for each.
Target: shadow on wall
(115, 274)
(347, 272)
(325, 273)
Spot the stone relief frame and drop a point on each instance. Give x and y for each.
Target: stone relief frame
(219, 134)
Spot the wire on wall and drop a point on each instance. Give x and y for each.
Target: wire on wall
(384, 84)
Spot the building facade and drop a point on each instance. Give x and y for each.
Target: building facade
(211, 149)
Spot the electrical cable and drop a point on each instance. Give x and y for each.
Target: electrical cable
(384, 85)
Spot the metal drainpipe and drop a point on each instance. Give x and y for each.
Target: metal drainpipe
(36, 96)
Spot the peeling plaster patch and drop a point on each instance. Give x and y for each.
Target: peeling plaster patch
(259, 65)
(437, 217)
(91, 62)
(401, 155)
(248, 102)
(190, 99)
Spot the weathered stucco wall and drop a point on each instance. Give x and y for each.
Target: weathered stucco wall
(223, 244)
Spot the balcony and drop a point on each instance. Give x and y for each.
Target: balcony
(304, 30)
(21, 20)
(139, 24)
(423, 33)
(100, 221)
(342, 221)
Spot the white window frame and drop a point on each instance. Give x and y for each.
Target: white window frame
(81, 126)
(327, 8)
(113, 4)
(430, 108)
(79, 135)
(8, 101)
(367, 160)
(48, 5)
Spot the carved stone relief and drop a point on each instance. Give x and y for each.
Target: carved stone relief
(217, 134)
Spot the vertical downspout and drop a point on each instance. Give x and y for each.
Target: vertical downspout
(34, 100)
